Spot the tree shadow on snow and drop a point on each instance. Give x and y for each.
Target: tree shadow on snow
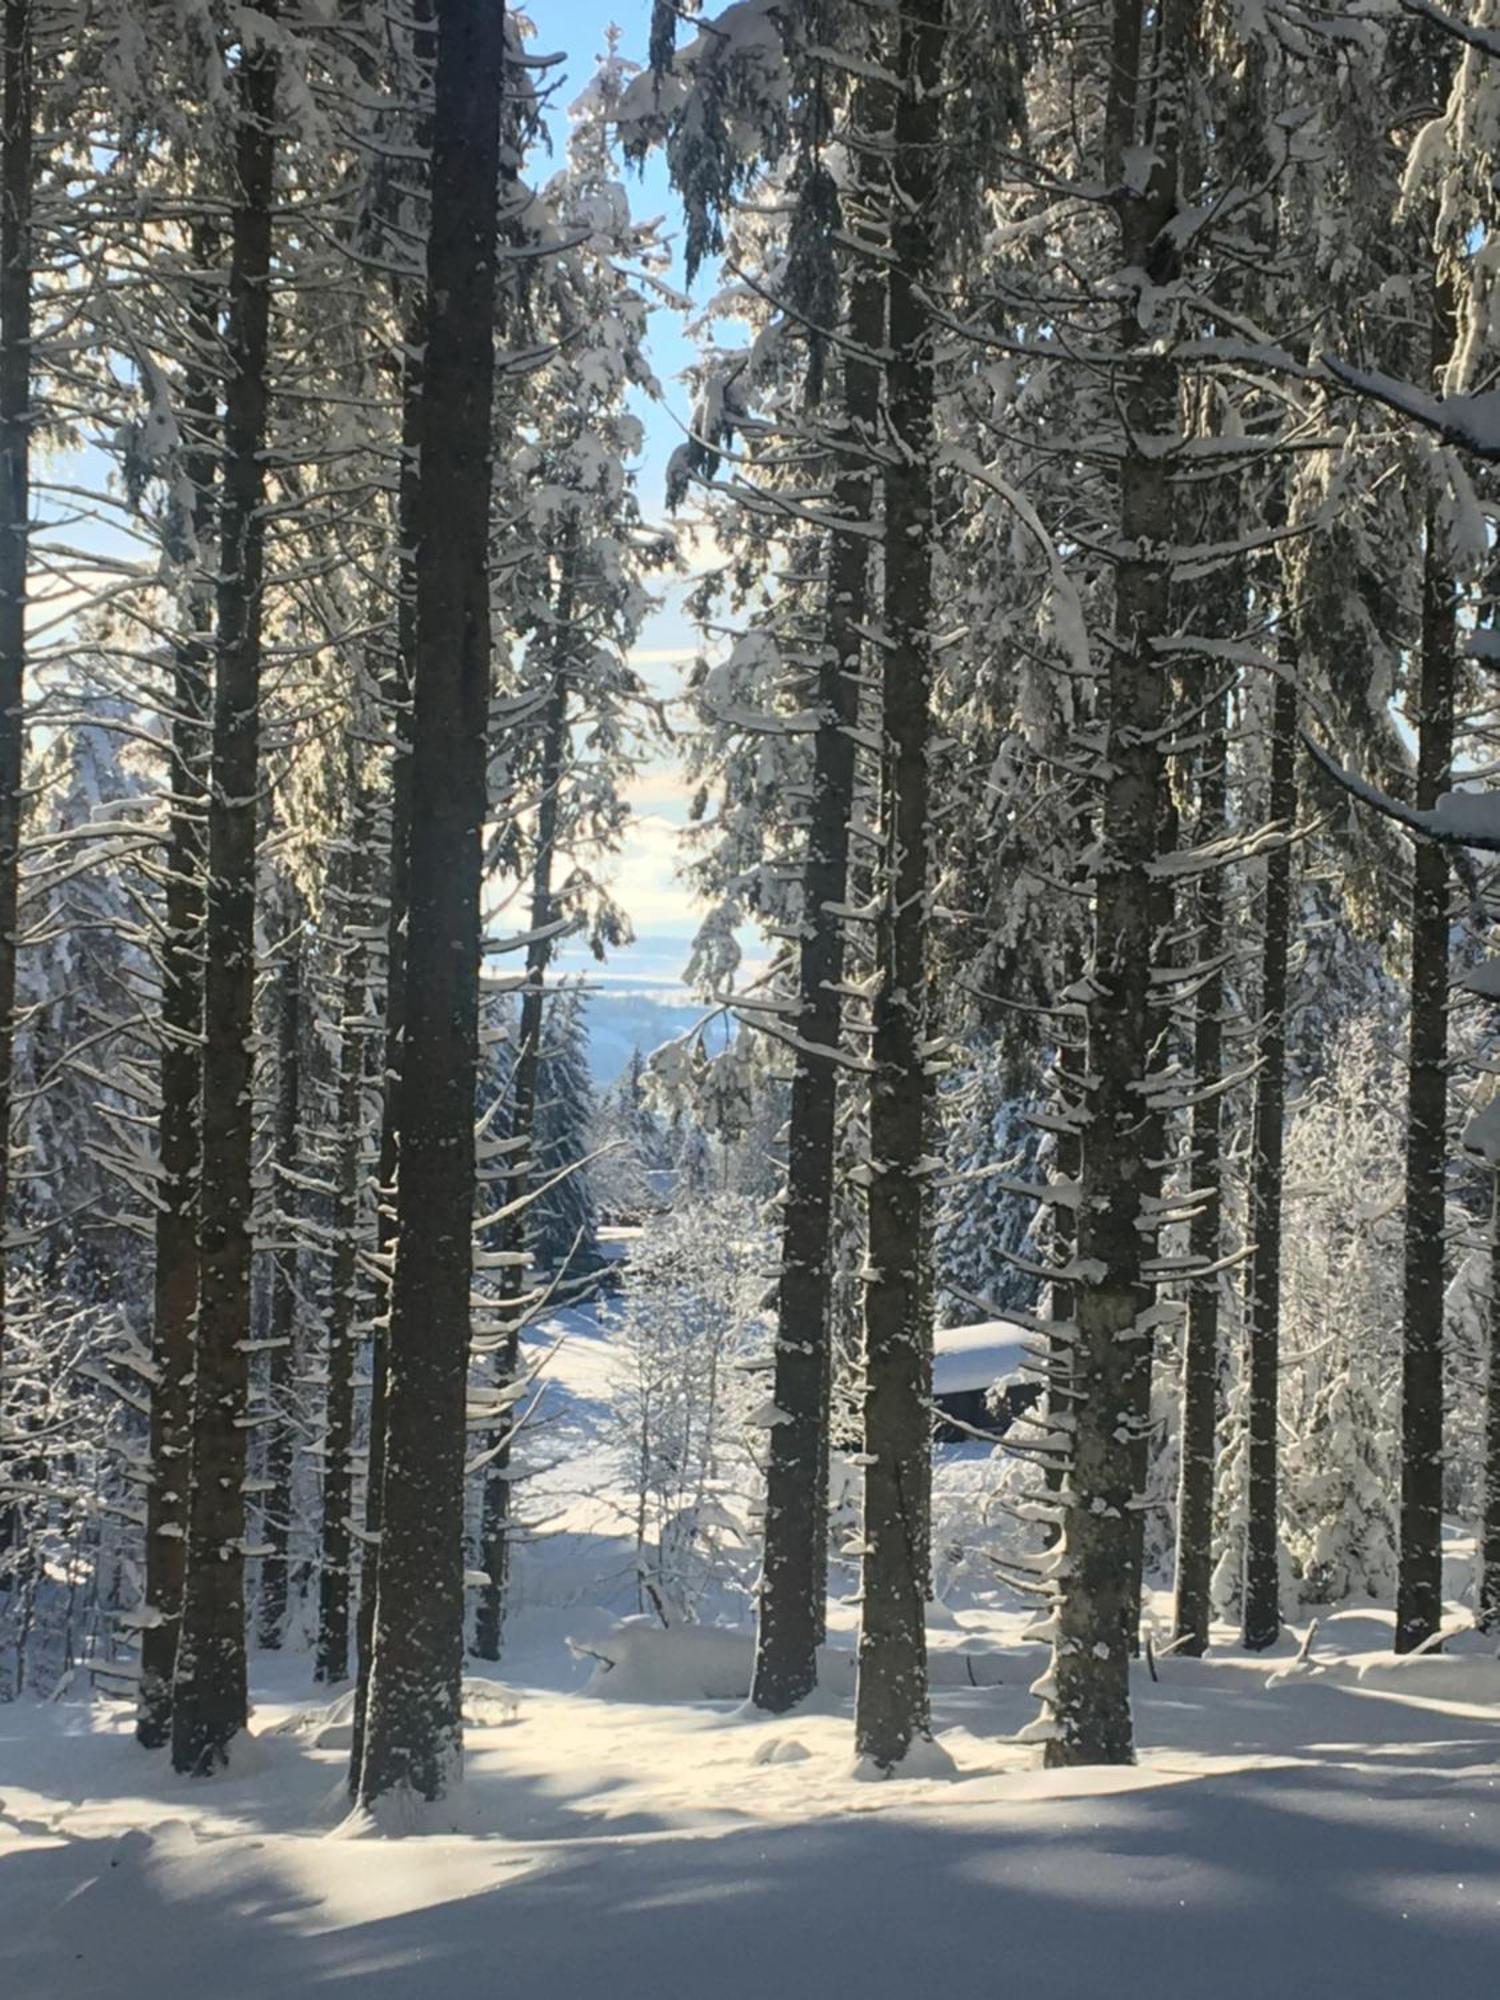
(1294, 1880)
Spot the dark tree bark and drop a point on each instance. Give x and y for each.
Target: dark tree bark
(413, 1730)
(1062, 1245)
(334, 1565)
(1192, 1606)
(1155, 1144)
(891, 1696)
(1488, 1612)
(794, 1577)
(1088, 1688)
(495, 1554)
(175, 1277)
(1262, 1602)
(397, 697)
(209, 1699)
(281, 1330)
(397, 693)
(15, 513)
(1419, 1584)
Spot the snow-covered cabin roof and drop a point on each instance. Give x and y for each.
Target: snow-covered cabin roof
(973, 1357)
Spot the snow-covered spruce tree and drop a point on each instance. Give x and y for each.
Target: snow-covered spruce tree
(1347, 606)
(1261, 1625)
(286, 919)
(565, 1237)
(796, 674)
(1193, 1565)
(1419, 1601)
(1087, 1686)
(210, 1695)
(413, 1729)
(334, 635)
(1218, 606)
(398, 158)
(350, 913)
(1189, 86)
(891, 1698)
(1012, 798)
(781, 713)
(1419, 1607)
(791, 1613)
(175, 1277)
(16, 191)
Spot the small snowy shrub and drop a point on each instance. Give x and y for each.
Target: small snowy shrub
(691, 1320)
(1340, 1318)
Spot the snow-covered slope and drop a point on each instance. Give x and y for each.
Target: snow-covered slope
(1331, 1831)
(1324, 1836)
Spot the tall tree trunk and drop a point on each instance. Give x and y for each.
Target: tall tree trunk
(1156, 1144)
(1488, 1612)
(413, 1730)
(276, 1516)
(1064, 1120)
(397, 697)
(398, 700)
(794, 1577)
(1088, 1685)
(1262, 1603)
(891, 1696)
(495, 1553)
(334, 1567)
(175, 1276)
(1419, 1585)
(1192, 1608)
(210, 1695)
(15, 515)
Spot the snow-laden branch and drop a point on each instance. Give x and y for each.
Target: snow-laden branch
(1486, 40)
(1470, 422)
(1459, 819)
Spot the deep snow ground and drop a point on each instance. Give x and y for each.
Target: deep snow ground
(1334, 1833)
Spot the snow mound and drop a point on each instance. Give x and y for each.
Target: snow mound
(641, 1661)
(329, 1725)
(925, 1758)
(782, 1750)
(1459, 1677)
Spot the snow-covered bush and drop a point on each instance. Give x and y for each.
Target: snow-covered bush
(1341, 1315)
(692, 1327)
(990, 1519)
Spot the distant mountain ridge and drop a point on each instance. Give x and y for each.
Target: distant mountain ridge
(622, 1019)
(636, 1005)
